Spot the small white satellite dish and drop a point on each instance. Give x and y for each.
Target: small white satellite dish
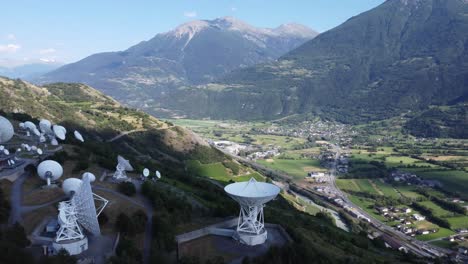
(30, 125)
(18, 150)
(146, 172)
(158, 174)
(12, 162)
(33, 148)
(89, 175)
(6, 130)
(39, 151)
(2, 147)
(49, 170)
(71, 185)
(54, 142)
(6, 152)
(42, 139)
(28, 148)
(45, 126)
(21, 125)
(59, 131)
(36, 132)
(78, 136)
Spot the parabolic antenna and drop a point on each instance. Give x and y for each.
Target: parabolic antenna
(71, 185)
(45, 126)
(49, 170)
(21, 125)
(251, 196)
(54, 142)
(81, 211)
(78, 136)
(42, 139)
(6, 152)
(59, 131)
(37, 132)
(30, 125)
(6, 130)
(39, 151)
(123, 165)
(89, 175)
(146, 172)
(2, 147)
(158, 174)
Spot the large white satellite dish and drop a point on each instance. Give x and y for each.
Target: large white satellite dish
(251, 196)
(6, 130)
(59, 131)
(49, 170)
(122, 167)
(77, 213)
(78, 136)
(146, 172)
(30, 125)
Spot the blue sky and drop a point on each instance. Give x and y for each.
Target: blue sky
(66, 31)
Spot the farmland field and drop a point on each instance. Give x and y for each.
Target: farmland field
(297, 168)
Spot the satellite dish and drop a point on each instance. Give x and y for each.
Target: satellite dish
(33, 148)
(59, 131)
(89, 175)
(54, 142)
(18, 150)
(49, 170)
(42, 139)
(36, 132)
(2, 147)
(29, 125)
(251, 196)
(39, 151)
(158, 174)
(146, 172)
(71, 185)
(78, 136)
(6, 152)
(12, 162)
(6, 130)
(123, 165)
(45, 126)
(21, 125)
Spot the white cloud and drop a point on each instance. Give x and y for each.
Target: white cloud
(11, 37)
(190, 13)
(47, 51)
(9, 48)
(47, 60)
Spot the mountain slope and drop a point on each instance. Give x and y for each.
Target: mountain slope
(193, 53)
(78, 105)
(402, 55)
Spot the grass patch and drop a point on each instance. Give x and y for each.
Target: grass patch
(443, 232)
(296, 168)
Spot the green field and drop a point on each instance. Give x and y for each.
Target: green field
(345, 184)
(443, 232)
(437, 210)
(452, 180)
(386, 189)
(458, 222)
(295, 168)
(218, 172)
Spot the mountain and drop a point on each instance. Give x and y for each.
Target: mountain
(193, 53)
(440, 122)
(28, 71)
(402, 55)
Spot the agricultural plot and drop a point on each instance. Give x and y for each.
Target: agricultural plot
(366, 186)
(458, 222)
(297, 168)
(443, 232)
(437, 210)
(218, 172)
(386, 189)
(347, 185)
(452, 180)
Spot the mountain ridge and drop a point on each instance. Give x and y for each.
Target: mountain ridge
(194, 53)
